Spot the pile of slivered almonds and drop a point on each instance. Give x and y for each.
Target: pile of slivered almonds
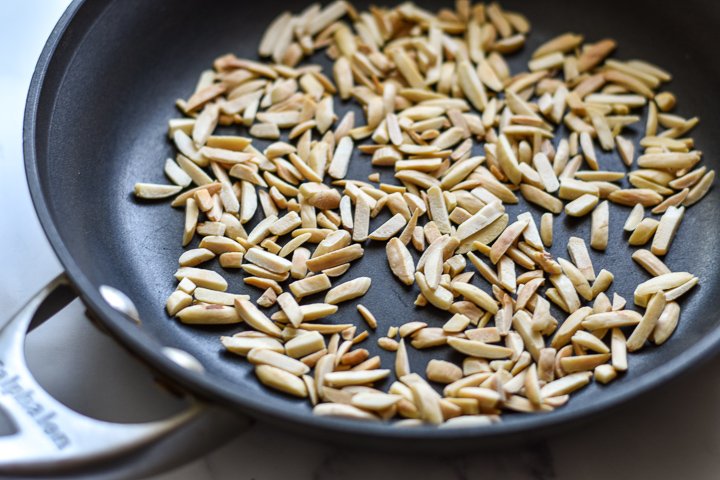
(434, 88)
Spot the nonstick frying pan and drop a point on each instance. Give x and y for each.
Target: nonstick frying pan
(95, 124)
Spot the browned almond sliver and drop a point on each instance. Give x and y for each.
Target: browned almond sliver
(506, 239)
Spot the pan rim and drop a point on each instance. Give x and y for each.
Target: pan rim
(144, 347)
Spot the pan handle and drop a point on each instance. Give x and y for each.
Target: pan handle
(49, 435)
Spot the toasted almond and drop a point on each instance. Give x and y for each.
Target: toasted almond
(267, 260)
(470, 84)
(219, 298)
(388, 229)
(310, 285)
(634, 196)
(581, 206)
(613, 319)
(255, 318)
(361, 221)
(566, 384)
(681, 290)
(700, 189)
(569, 327)
(477, 296)
(642, 331)
(600, 226)
(152, 191)
(669, 223)
(263, 356)
(562, 43)
(402, 363)
(407, 68)
(643, 232)
(361, 377)
(304, 344)
(208, 315)
(348, 290)
(202, 278)
(335, 258)
(540, 198)
(583, 363)
(425, 398)
(636, 216)
(669, 161)
(291, 308)
(343, 411)
(243, 345)
(341, 158)
(507, 238)
(375, 401)
(281, 380)
(400, 260)
(440, 297)
(478, 349)
(667, 323)
(581, 258)
(177, 301)
(602, 282)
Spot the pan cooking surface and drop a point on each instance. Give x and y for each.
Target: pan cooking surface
(101, 126)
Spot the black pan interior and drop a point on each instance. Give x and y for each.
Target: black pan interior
(96, 124)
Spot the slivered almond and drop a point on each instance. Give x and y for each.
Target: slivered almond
(255, 318)
(666, 324)
(636, 216)
(633, 196)
(291, 308)
(400, 260)
(643, 232)
(507, 238)
(600, 226)
(478, 349)
(310, 285)
(361, 377)
(581, 258)
(348, 290)
(267, 260)
(669, 223)
(281, 380)
(211, 314)
(700, 189)
(470, 84)
(650, 262)
(642, 331)
(335, 258)
(538, 197)
(304, 344)
(614, 319)
(581, 206)
(388, 229)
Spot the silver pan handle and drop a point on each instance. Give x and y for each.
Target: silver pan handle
(49, 435)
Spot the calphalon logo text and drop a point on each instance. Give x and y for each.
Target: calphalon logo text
(10, 386)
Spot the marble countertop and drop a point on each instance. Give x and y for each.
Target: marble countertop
(671, 433)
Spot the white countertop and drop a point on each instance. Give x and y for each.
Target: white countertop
(671, 433)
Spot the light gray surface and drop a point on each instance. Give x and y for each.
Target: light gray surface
(672, 433)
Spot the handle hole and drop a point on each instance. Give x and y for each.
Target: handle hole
(99, 379)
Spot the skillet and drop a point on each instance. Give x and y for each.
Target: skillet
(95, 123)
